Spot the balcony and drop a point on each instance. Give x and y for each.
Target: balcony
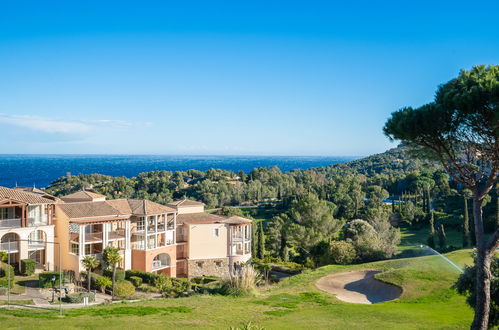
(116, 234)
(36, 245)
(93, 237)
(158, 264)
(9, 246)
(10, 223)
(40, 221)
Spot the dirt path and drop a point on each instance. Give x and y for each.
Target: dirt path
(359, 287)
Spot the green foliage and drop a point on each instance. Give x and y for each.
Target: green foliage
(28, 267)
(340, 253)
(466, 224)
(136, 281)
(442, 238)
(431, 236)
(120, 274)
(77, 298)
(149, 278)
(5, 269)
(173, 287)
(261, 242)
(102, 283)
(124, 289)
(466, 285)
(3, 256)
(45, 279)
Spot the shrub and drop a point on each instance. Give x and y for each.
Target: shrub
(4, 275)
(77, 298)
(241, 283)
(173, 287)
(205, 279)
(124, 289)
(341, 253)
(103, 283)
(149, 278)
(120, 274)
(136, 281)
(45, 279)
(28, 267)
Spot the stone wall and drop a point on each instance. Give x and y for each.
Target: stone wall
(208, 267)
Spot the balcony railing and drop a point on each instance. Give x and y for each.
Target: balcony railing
(117, 234)
(157, 264)
(40, 221)
(138, 246)
(10, 223)
(9, 246)
(36, 245)
(93, 237)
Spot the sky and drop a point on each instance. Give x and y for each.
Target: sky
(227, 77)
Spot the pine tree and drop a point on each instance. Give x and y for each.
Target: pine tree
(442, 239)
(466, 224)
(261, 242)
(431, 236)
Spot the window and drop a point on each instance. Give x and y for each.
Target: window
(216, 232)
(141, 224)
(4, 213)
(218, 263)
(75, 249)
(88, 249)
(200, 265)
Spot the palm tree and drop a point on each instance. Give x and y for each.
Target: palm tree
(112, 258)
(90, 263)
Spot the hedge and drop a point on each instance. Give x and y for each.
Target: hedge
(120, 274)
(124, 289)
(136, 281)
(45, 279)
(28, 267)
(4, 278)
(77, 298)
(149, 278)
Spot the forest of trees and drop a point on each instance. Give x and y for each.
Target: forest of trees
(358, 203)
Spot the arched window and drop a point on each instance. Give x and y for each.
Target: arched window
(162, 260)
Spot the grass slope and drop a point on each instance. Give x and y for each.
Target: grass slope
(427, 302)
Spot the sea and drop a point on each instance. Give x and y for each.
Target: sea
(40, 170)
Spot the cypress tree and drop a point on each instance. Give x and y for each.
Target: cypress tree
(261, 242)
(431, 236)
(254, 240)
(466, 224)
(442, 239)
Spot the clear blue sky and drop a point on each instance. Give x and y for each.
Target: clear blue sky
(227, 77)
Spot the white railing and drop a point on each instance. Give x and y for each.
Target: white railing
(10, 223)
(156, 264)
(138, 246)
(36, 245)
(39, 221)
(9, 246)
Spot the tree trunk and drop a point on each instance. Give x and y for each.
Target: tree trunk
(114, 280)
(483, 274)
(89, 279)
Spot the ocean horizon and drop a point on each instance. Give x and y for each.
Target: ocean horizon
(40, 170)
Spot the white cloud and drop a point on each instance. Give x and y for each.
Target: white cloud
(50, 125)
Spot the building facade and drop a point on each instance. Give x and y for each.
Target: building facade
(26, 226)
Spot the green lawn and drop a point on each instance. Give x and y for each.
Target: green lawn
(420, 236)
(428, 301)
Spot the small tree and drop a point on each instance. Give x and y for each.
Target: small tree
(431, 236)
(261, 242)
(90, 263)
(112, 258)
(442, 239)
(3, 256)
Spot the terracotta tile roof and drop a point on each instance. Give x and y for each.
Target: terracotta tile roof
(235, 220)
(185, 203)
(89, 210)
(115, 207)
(201, 217)
(81, 196)
(38, 192)
(23, 196)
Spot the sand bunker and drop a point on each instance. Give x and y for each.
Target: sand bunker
(359, 287)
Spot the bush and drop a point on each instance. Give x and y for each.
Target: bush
(173, 287)
(4, 275)
(149, 278)
(136, 281)
(124, 289)
(45, 279)
(205, 279)
(77, 298)
(242, 283)
(340, 253)
(120, 274)
(102, 283)
(28, 267)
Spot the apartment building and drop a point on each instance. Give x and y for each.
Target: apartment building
(143, 232)
(209, 244)
(26, 225)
